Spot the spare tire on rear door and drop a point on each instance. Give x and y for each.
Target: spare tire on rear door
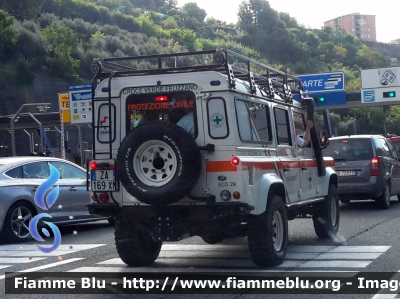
(158, 163)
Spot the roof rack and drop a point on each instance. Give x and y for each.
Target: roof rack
(233, 65)
(225, 61)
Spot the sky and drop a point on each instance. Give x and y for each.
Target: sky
(313, 13)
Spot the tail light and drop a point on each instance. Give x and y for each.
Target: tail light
(235, 161)
(93, 165)
(103, 197)
(374, 166)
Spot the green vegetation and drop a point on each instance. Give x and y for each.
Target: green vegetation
(61, 38)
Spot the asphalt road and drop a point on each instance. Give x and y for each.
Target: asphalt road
(367, 242)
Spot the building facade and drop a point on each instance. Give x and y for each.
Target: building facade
(361, 26)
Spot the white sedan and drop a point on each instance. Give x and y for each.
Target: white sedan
(19, 179)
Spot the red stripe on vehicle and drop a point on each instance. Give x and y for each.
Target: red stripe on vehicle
(220, 166)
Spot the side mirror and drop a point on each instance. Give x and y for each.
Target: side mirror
(323, 138)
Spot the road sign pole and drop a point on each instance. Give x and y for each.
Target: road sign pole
(62, 146)
(80, 144)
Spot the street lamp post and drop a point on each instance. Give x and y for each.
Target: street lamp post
(15, 117)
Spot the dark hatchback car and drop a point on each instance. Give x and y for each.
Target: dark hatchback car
(396, 142)
(368, 167)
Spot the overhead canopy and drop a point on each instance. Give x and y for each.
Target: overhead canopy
(25, 121)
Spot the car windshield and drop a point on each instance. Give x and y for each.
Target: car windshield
(350, 149)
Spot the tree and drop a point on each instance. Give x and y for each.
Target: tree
(170, 23)
(62, 43)
(22, 8)
(289, 21)
(7, 33)
(192, 10)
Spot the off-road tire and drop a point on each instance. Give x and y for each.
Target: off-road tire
(8, 234)
(261, 234)
(383, 201)
(135, 245)
(169, 174)
(326, 216)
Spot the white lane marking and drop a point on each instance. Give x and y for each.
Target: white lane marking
(309, 248)
(335, 264)
(380, 294)
(47, 266)
(223, 255)
(249, 263)
(294, 248)
(60, 248)
(20, 260)
(32, 250)
(37, 252)
(348, 256)
(381, 249)
(187, 270)
(179, 247)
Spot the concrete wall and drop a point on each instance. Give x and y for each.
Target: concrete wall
(44, 90)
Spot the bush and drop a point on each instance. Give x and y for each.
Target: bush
(125, 22)
(20, 75)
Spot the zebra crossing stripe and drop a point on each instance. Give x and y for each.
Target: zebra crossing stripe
(204, 270)
(295, 248)
(19, 260)
(227, 258)
(45, 266)
(381, 295)
(30, 247)
(18, 254)
(32, 251)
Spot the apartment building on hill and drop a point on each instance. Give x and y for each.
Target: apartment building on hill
(362, 26)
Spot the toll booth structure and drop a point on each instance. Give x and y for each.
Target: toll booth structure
(41, 134)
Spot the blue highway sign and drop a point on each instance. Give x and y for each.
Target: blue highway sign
(80, 87)
(83, 95)
(323, 82)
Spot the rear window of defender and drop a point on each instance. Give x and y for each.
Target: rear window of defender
(179, 108)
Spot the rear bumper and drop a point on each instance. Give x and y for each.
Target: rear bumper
(368, 190)
(105, 210)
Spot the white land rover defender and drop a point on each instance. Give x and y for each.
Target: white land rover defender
(205, 150)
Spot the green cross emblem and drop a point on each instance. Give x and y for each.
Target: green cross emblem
(217, 120)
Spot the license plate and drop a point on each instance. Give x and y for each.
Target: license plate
(103, 180)
(347, 173)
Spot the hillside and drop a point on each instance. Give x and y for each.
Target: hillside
(60, 38)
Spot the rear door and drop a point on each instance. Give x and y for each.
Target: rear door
(394, 168)
(353, 158)
(308, 163)
(74, 180)
(289, 168)
(36, 174)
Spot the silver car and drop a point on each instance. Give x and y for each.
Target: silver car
(19, 179)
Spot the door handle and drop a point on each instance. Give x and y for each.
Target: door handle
(304, 168)
(36, 187)
(286, 169)
(72, 189)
